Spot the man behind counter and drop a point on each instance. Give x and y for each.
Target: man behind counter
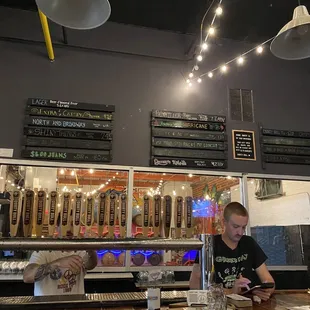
(59, 273)
(236, 256)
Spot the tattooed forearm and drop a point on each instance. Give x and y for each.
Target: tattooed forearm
(45, 270)
(42, 272)
(56, 274)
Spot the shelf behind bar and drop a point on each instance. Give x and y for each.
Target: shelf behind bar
(47, 244)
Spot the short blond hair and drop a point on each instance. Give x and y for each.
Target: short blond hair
(235, 208)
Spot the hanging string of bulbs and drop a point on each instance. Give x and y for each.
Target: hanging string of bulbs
(223, 68)
(203, 43)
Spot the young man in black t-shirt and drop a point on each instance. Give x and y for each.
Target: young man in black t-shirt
(236, 256)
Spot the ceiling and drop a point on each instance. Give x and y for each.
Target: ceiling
(250, 20)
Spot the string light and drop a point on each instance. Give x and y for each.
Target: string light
(211, 31)
(62, 171)
(240, 60)
(191, 75)
(219, 11)
(224, 68)
(199, 80)
(188, 81)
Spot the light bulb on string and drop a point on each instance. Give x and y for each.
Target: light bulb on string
(219, 11)
(188, 81)
(199, 57)
(204, 46)
(224, 68)
(259, 49)
(211, 31)
(196, 68)
(240, 60)
(191, 75)
(199, 80)
(210, 75)
(190, 84)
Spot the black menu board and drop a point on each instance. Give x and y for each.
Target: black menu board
(285, 146)
(188, 140)
(244, 145)
(68, 131)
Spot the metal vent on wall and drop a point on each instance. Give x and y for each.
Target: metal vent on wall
(241, 105)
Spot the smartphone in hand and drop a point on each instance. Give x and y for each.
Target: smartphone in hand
(259, 286)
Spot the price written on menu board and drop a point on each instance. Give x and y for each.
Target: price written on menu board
(244, 145)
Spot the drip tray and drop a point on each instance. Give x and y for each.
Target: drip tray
(88, 300)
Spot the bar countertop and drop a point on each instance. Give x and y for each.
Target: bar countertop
(281, 300)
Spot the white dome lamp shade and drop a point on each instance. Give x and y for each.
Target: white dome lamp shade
(76, 14)
(293, 40)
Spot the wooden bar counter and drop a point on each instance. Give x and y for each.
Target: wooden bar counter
(281, 300)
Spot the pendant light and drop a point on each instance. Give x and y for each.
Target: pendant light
(76, 14)
(293, 40)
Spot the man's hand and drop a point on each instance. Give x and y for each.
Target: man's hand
(263, 294)
(73, 262)
(241, 283)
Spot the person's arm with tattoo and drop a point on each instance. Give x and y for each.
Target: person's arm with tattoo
(36, 272)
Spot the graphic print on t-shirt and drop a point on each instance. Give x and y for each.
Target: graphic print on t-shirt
(229, 275)
(67, 281)
(229, 263)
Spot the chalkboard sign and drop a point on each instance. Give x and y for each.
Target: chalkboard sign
(285, 146)
(188, 134)
(188, 116)
(244, 145)
(70, 105)
(188, 163)
(188, 140)
(67, 131)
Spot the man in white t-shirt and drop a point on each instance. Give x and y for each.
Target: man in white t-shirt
(59, 273)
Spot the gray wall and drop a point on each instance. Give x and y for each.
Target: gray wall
(144, 72)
